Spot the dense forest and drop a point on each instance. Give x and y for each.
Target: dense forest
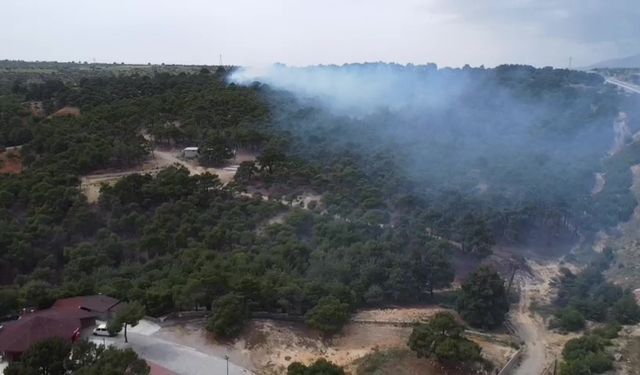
(387, 228)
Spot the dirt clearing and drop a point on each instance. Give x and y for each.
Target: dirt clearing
(399, 362)
(269, 346)
(224, 173)
(160, 159)
(67, 112)
(91, 184)
(542, 346)
(626, 269)
(629, 344)
(10, 161)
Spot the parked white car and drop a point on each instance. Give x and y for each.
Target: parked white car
(101, 330)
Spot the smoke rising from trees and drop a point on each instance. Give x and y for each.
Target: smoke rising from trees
(517, 131)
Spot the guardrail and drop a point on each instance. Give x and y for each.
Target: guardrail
(512, 363)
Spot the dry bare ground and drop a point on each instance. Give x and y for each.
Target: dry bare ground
(542, 346)
(629, 342)
(36, 108)
(626, 273)
(91, 184)
(268, 346)
(626, 270)
(10, 161)
(225, 174)
(67, 112)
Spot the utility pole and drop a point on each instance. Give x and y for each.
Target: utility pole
(220, 63)
(226, 357)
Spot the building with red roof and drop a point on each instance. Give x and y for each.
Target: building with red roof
(103, 307)
(64, 320)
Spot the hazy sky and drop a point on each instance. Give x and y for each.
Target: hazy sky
(303, 32)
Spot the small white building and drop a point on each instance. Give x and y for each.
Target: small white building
(190, 152)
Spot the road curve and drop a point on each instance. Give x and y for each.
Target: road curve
(625, 85)
(180, 359)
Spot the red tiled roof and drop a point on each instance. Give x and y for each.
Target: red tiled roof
(97, 303)
(62, 314)
(19, 335)
(61, 320)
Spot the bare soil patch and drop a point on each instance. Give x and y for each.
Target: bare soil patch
(67, 112)
(10, 162)
(36, 108)
(225, 173)
(398, 315)
(542, 346)
(160, 159)
(91, 184)
(269, 346)
(626, 269)
(399, 362)
(629, 344)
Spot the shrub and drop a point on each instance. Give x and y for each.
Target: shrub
(230, 312)
(441, 338)
(319, 367)
(329, 315)
(570, 319)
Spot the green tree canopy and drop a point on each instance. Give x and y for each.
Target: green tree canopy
(442, 338)
(329, 315)
(59, 357)
(229, 314)
(570, 319)
(319, 367)
(586, 355)
(215, 151)
(129, 316)
(44, 358)
(626, 310)
(483, 299)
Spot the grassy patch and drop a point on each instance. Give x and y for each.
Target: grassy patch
(377, 363)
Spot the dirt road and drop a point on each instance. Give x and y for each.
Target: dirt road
(169, 158)
(541, 346)
(531, 330)
(224, 174)
(91, 184)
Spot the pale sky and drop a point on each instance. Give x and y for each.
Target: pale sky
(306, 32)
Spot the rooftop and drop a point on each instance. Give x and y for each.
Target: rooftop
(98, 303)
(20, 335)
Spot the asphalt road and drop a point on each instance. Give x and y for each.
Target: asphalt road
(180, 359)
(625, 85)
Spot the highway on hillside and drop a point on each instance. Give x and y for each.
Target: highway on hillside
(625, 85)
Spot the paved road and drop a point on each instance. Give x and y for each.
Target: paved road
(625, 85)
(182, 360)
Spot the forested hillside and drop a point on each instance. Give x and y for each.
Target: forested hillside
(388, 226)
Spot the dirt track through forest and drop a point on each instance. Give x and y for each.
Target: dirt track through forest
(161, 159)
(541, 346)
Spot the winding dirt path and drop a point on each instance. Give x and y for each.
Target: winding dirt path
(541, 346)
(531, 330)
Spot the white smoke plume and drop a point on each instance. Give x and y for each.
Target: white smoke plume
(622, 133)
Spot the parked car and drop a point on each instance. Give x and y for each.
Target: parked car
(101, 330)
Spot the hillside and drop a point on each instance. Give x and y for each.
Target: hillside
(329, 203)
(629, 62)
